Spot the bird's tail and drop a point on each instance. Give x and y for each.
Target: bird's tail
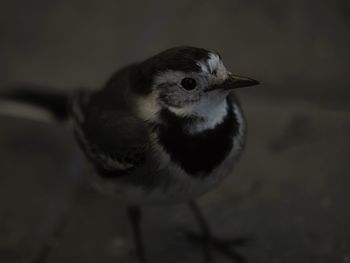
(35, 102)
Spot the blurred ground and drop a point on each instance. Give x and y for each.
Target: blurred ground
(290, 194)
(297, 47)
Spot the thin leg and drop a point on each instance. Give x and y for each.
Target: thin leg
(205, 228)
(209, 241)
(134, 214)
(199, 217)
(43, 255)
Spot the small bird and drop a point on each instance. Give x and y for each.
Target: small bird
(165, 130)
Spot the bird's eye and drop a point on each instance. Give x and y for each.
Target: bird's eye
(188, 83)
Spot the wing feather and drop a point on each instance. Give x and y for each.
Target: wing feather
(114, 139)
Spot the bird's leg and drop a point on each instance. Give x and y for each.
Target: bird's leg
(209, 242)
(47, 248)
(134, 214)
(206, 233)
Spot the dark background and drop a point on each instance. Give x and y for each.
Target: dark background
(290, 192)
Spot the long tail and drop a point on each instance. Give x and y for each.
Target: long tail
(35, 102)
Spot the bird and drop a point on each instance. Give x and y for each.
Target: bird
(165, 130)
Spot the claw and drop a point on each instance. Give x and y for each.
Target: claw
(230, 253)
(224, 246)
(237, 241)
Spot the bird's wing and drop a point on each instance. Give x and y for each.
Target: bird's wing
(113, 138)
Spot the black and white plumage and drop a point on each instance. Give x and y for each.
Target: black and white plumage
(164, 130)
(153, 141)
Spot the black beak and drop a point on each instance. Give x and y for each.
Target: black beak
(234, 82)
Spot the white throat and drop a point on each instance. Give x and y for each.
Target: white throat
(209, 113)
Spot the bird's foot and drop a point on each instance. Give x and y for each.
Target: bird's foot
(227, 247)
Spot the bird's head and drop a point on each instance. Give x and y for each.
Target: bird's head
(189, 82)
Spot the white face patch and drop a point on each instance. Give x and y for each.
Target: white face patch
(212, 113)
(210, 107)
(213, 71)
(214, 66)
